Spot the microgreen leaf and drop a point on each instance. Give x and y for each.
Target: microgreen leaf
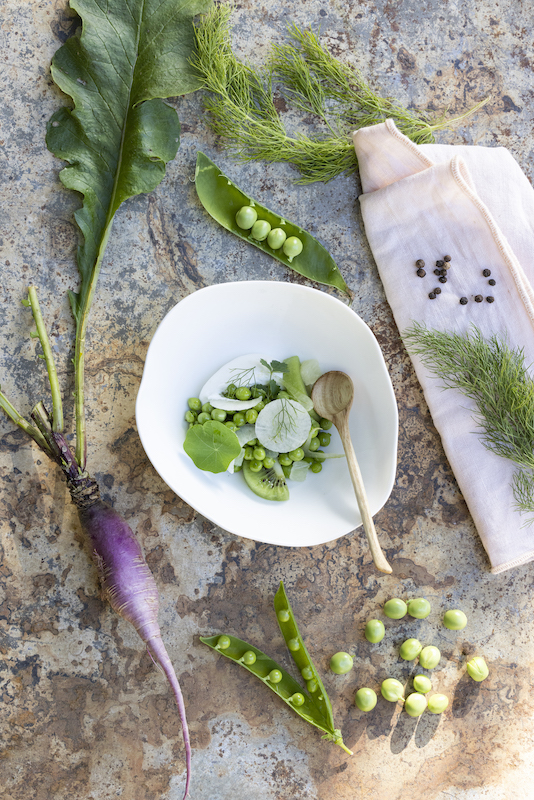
(211, 446)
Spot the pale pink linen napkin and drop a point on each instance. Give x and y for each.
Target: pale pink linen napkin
(476, 205)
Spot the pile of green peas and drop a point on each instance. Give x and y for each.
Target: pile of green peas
(261, 230)
(198, 413)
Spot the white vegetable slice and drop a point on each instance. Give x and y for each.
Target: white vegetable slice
(299, 470)
(245, 434)
(283, 425)
(310, 371)
(243, 371)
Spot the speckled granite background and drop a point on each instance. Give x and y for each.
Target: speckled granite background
(84, 714)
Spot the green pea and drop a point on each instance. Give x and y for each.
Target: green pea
(307, 673)
(438, 703)
(230, 390)
(276, 238)
(207, 408)
(365, 699)
(297, 454)
(410, 649)
(194, 404)
(292, 246)
(415, 704)
(239, 419)
(249, 658)
(275, 676)
(259, 407)
(392, 690)
(251, 416)
(312, 686)
(341, 663)
(249, 453)
(477, 669)
(283, 615)
(454, 619)
(259, 453)
(222, 199)
(293, 645)
(429, 657)
(268, 462)
(395, 608)
(324, 439)
(243, 393)
(255, 466)
(231, 425)
(374, 630)
(223, 642)
(218, 414)
(190, 416)
(203, 417)
(297, 699)
(246, 217)
(314, 444)
(285, 460)
(422, 684)
(260, 230)
(316, 466)
(325, 424)
(419, 608)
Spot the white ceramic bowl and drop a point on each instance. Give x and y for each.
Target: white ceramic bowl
(214, 325)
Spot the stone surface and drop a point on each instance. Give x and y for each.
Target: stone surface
(84, 712)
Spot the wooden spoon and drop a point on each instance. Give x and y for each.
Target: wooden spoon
(332, 397)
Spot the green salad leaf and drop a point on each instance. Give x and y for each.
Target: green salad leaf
(211, 446)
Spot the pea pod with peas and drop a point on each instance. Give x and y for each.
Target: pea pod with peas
(249, 220)
(311, 703)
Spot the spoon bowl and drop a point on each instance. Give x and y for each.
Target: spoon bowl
(332, 396)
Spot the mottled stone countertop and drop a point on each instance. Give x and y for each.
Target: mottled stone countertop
(84, 713)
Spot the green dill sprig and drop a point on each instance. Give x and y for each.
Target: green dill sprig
(495, 377)
(242, 110)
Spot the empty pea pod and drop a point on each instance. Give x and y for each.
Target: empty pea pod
(222, 199)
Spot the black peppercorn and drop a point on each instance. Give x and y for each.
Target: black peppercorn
(419, 263)
(437, 272)
(443, 279)
(490, 299)
(486, 273)
(437, 290)
(446, 267)
(491, 282)
(478, 298)
(432, 295)
(446, 258)
(439, 263)
(463, 300)
(421, 272)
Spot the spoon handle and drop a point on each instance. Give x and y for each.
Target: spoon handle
(341, 423)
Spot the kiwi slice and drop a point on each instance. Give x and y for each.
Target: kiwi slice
(266, 483)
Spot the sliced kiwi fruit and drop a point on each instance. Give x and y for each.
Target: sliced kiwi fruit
(266, 483)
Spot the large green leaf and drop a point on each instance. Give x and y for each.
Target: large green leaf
(120, 134)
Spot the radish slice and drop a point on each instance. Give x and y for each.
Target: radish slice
(310, 371)
(299, 470)
(244, 370)
(283, 425)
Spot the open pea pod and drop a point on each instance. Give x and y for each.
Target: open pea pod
(222, 199)
(277, 679)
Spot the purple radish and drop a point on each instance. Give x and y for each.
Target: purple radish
(129, 587)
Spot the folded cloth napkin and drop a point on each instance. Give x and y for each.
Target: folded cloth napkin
(476, 205)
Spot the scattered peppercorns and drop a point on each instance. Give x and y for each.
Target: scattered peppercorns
(490, 299)
(491, 282)
(443, 279)
(432, 295)
(478, 298)
(421, 272)
(463, 301)
(437, 290)
(440, 263)
(446, 258)
(486, 273)
(420, 263)
(438, 272)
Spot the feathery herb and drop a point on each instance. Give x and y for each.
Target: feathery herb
(496, 378)
(242, 110)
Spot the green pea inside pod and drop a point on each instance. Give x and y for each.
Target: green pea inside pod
(419, 608)
(374, 630)
(454, 619)
(415, 704)
(410, 649)
(395, 608)
(292, 247)
(365, 699)
(392, 690)
(260, 230)
(276, 238)
(477, 669)
(223, 642)
(429, 657)
(246, 217)
(297, 699)
(437, 703)
(275, 676)
(249, 658)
